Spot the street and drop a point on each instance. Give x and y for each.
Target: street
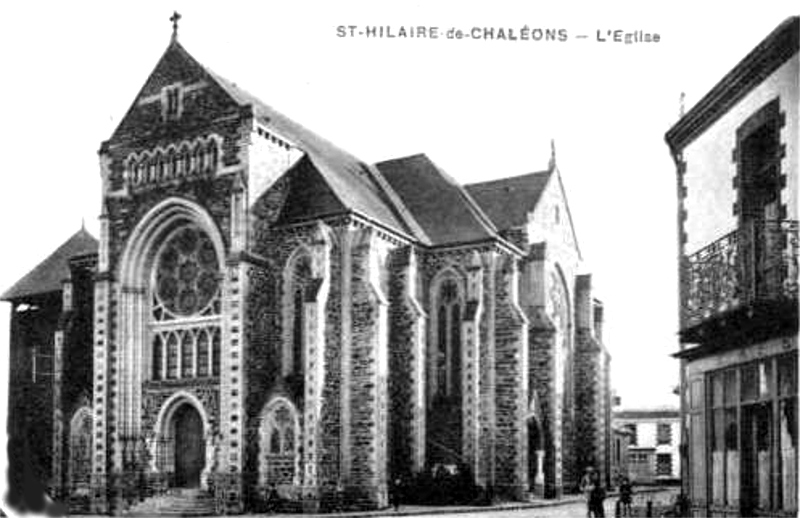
(572, 506)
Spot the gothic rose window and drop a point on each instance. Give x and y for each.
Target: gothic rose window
(185, 307)
(187, 275)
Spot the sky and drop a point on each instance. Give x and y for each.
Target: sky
(481, 109)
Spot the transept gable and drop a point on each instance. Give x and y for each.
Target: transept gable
(551, 219)
(310, 195)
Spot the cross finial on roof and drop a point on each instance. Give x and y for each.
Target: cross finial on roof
(176, 16)
(552, 163)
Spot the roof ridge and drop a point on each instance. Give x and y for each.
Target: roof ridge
(472, 205)
(478, 211)
(235, 91)
(511, 178)
(432, 195)
(397, 203)
(406, 157)
(321, 152)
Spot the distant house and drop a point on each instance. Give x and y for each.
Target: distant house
(653, 444)
(620, 453)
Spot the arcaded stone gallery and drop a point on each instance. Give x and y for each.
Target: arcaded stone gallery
(265, 313)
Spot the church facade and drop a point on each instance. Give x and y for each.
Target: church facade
(265, 312)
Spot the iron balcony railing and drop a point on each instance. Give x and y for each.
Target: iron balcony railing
(755, 263)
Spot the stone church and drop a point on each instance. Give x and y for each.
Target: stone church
(265, 312)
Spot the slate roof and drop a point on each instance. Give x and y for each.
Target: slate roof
(309, 195)
(409, 195)
(441, 206)
(353, 183)
(508, 201)
(47, 276)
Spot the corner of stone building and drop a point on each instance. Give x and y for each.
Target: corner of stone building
(590, 380)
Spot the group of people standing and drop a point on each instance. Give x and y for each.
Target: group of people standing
(592, 487)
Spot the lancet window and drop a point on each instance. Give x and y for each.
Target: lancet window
(447, 359)
(297, 286)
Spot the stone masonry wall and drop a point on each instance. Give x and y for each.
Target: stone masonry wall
(266, 314)
(485, 474)
(588, 401)
(470, 265)
(329, 472)
(406, 367)
(511, 345)
(541, 341)
(261, 367)
(367, 379)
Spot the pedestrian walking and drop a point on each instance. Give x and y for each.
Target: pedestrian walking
(396, 493)
(587, 487)
(272, 503)
(597, 498)
(625, 496)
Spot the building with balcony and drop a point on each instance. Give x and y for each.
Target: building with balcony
(736, 155)
(264, 311)
(653, 441)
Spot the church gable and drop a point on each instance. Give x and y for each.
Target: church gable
(180, 96)
(552, 220)
(182, 124)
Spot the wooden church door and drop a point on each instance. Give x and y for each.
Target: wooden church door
(189, 447)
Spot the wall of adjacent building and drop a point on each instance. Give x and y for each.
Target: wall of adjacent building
(30, 406)
(710, 164)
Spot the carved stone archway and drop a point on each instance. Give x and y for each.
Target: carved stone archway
(135, 271)
(162, 447)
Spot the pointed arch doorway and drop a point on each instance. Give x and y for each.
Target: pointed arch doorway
(190, 455)
(183, 446)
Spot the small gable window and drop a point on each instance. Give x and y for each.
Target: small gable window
(172, 99)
